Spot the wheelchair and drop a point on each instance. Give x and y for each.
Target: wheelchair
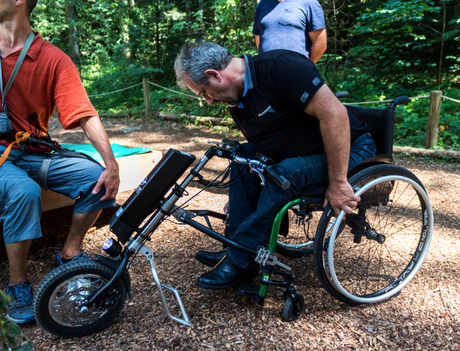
(362, 257)
(371, 254)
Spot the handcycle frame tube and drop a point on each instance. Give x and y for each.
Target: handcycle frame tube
(218, 237)
(141, 237)
(273, 240)
(174, 197)
(120, 270)
(165, 207)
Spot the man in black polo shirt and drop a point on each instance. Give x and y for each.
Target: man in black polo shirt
(286, 112)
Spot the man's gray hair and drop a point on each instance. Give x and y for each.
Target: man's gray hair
(195, 59)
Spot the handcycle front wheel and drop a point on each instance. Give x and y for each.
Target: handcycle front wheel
(371, 254)
(58, 299)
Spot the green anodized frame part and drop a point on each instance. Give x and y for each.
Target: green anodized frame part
(273, 240)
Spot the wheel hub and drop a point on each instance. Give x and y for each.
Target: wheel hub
(371, 234)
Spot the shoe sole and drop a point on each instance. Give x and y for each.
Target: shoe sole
(21, 321)
(249, 275)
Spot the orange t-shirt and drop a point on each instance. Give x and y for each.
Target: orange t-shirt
(47, 79)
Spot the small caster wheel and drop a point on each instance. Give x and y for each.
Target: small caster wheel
(293, 307)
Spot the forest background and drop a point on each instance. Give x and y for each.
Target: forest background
(377, 50)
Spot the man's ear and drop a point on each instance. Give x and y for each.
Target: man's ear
(212, 73)
(19, 2)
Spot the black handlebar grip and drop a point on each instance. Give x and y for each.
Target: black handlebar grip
(401, 100)
(278, 178)
(341, 94)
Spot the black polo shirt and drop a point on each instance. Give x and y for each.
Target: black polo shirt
(279, 84)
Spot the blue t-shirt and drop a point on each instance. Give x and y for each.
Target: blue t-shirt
(285, 25)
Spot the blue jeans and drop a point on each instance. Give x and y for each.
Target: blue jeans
(252, 208)
(20, 195)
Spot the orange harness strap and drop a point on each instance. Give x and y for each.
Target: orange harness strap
(21, 138)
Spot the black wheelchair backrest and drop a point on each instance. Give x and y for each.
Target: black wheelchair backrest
(381, 122)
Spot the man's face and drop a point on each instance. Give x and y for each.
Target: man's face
(216, 92)
(6, 9)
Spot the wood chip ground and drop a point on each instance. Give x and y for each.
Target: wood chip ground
(424, 316)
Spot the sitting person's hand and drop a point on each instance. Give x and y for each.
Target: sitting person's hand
(341, 197)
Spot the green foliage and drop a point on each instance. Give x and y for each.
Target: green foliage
(377, 50)
(10, 334)
(169, 102)
(400, 41)
(411, 123)
(101, 78)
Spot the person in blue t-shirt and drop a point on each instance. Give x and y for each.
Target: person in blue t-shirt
(296, 25)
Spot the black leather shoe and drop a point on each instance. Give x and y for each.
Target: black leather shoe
(226, 275)
(210, 258)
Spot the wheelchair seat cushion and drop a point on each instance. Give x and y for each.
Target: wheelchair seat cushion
(314, 191)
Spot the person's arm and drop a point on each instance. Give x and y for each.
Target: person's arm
(110, 178)
(318, 40)
(257, 38)
(335, 131)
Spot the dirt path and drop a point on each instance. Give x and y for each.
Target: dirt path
(424, 316)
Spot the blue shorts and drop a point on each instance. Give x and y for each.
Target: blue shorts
(20, 195)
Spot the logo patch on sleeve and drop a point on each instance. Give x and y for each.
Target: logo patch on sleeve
(316, 81)
(304, 97)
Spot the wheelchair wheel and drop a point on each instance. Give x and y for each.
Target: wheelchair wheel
(297, 238)
(371, 254)
(293, 307)
(59, 295)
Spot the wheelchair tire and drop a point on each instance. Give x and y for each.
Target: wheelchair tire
(293, 307)
(299, 240)
(59, 294)
(396, 233)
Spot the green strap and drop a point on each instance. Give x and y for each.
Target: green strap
(18, 64)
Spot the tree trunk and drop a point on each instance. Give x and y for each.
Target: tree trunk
(157, 35)
(202, 30)
(335, 43)
(442, 43)
(188, 18)
(73, 33)
(412, 151)
(124, 30)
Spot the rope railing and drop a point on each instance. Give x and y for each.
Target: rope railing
(200, 98)
(433, 113)
(412, 98)
(116, 91)
(448, 98)
(157, 85)
(177, 92)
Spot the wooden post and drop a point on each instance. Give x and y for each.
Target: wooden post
(146, 87)
(433, 119)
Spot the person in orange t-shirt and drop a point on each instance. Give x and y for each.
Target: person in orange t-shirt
(47, 80)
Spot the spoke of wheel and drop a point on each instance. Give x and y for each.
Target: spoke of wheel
(388, 244)
(395, 201)
(372, 244)
(349, 250)
(403, 212)
(411, 249)
(363, 251)
(395, 264)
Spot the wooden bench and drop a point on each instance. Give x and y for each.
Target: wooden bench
(133, 169)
